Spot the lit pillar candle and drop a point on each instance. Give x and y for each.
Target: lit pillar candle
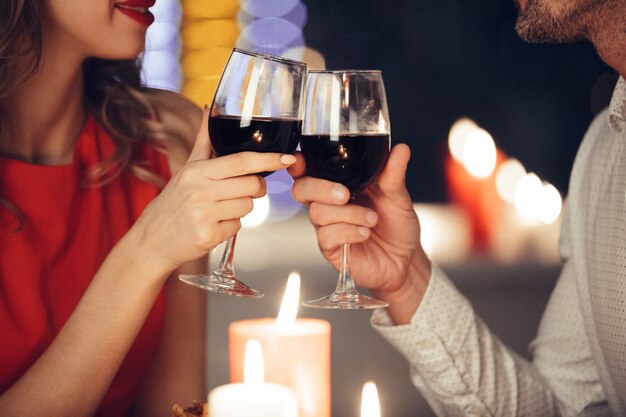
(253, 397)
(296, 352)
(370, 405)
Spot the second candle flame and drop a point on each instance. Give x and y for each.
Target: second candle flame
(253, 365)
(370, 405)
(291, 300)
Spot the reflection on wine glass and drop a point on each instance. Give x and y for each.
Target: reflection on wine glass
(345, 139)
(257, 107)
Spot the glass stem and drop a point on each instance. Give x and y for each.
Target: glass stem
(345, 284)
(226, 266)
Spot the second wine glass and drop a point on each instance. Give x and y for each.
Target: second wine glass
(257, 108)
(346, 139)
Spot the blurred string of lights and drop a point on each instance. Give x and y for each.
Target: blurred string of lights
(161, 68)
(192, 63)
(209, 32)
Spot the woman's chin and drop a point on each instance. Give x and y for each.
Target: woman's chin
(128, 52)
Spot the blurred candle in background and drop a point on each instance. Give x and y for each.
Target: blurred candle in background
(253, 397)
(296, 352)
(470, 177)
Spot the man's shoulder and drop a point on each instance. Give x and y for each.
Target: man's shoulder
(598, 140)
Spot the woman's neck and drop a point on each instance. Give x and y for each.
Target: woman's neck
(47, 112)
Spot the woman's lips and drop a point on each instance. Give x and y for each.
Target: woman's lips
(137, 10)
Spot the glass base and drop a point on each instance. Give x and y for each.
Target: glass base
(351, 300)
(223, 283)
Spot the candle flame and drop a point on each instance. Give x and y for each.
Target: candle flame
(370, 405)
(253, 366)
(291, 299)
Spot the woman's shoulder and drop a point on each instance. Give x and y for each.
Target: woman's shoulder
(180, 119)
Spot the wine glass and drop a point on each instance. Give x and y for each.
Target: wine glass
(345, 139)
(257, 107)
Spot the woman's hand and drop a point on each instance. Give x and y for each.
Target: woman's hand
(386, 255)
(202, 204)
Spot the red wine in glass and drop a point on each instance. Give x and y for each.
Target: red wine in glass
(352, 160)
(232, 134)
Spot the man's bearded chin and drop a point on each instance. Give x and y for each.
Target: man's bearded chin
(536, 25)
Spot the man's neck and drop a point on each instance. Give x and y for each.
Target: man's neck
(608, 35)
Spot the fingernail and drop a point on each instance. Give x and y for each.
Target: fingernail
(363, 231)
(338, 193)
(371, 217)
(206, 107)
(287, 159)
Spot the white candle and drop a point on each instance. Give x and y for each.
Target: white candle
(370, 406)
(253, 397)
(296, 352)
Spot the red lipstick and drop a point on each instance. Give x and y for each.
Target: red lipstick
(137, 10)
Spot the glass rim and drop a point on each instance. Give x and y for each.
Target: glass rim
(343, 71)
(269, 57)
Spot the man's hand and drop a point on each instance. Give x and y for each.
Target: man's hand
(386, 255)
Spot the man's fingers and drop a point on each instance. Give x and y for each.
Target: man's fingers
(392, 178)
(308, 189)
(324, 215)
(332, 236)
(202, 146)
(245, 163)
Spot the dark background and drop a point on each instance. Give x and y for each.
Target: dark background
(443, 59)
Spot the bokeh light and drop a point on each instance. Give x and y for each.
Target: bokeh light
(160, 61)
(551, 204)
(459, 132)
(270, 35)
(479, 153)
(268, 8)
(209, 32)
(528, 196)
(507, 178)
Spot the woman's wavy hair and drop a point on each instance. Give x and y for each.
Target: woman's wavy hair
(114, 95)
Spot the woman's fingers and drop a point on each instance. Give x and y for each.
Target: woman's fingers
(247, 186)
(244, 163)
(202, 146)
(234, 208)
(308, 189)
(325, 214)
(228, 228)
